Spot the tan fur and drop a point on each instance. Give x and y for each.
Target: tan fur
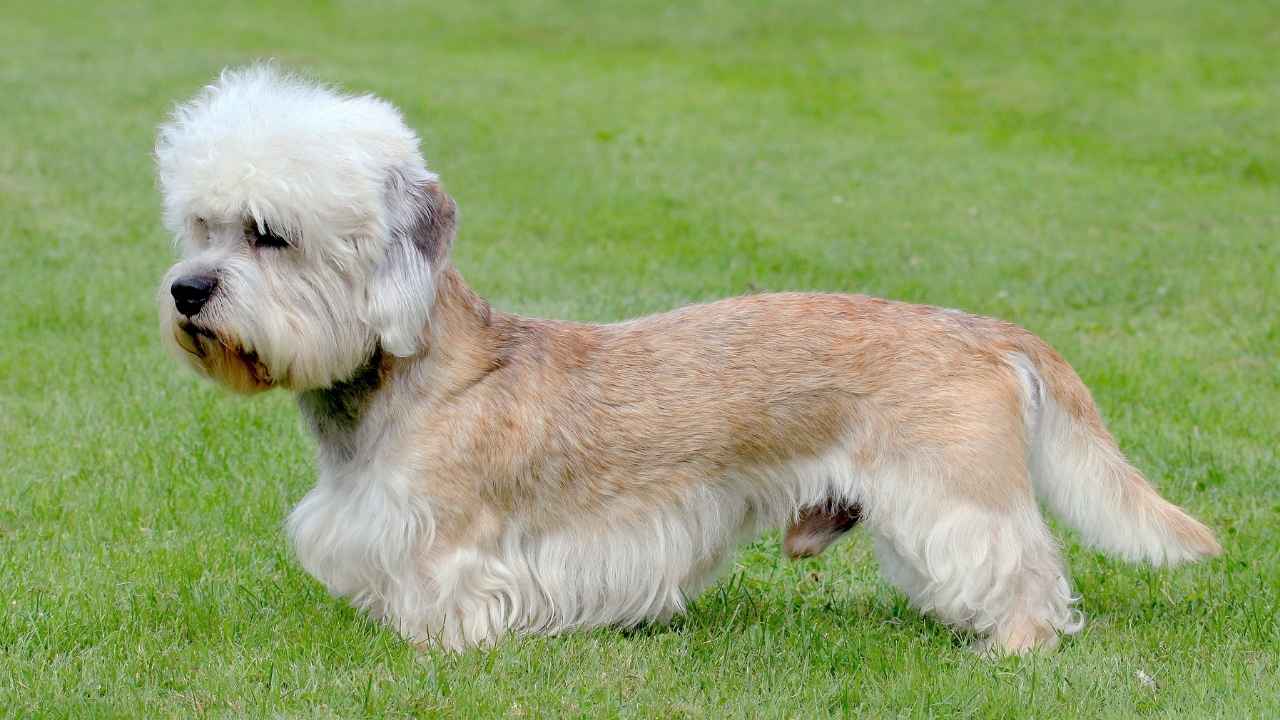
(551, 424)
(572, 415)
(223, 359)
(482, 473)
(562, 423)
(1075, 399)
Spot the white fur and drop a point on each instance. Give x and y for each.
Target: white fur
(1086, 481)
(337, 175)
(971, 567)
(286, 151)
(361, 533)
(263, 148)
(403, 287)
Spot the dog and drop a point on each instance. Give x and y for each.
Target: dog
(483, 474)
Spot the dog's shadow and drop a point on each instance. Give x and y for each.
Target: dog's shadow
(745, 602)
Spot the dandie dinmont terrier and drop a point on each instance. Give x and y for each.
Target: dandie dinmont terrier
(483, 473)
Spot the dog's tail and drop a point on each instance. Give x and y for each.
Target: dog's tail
(1079, 471)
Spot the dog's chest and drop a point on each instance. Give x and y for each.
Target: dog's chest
(359, 534)
(360, 528)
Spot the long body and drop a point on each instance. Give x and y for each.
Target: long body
(553, 475)
(483, 473)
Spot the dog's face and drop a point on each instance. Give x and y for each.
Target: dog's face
(311, 232)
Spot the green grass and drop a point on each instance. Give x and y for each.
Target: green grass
(1106, 174)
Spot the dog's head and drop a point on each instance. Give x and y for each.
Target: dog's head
(310, 229)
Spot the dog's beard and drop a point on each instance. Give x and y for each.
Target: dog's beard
(264, 328)
(223, 357)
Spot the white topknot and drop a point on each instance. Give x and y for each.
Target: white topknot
(276, 148)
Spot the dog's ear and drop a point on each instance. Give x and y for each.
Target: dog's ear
(421, 221)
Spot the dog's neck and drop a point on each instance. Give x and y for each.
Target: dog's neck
(336, 412)
(460, 345)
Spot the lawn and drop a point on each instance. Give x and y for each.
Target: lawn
(1105, 174)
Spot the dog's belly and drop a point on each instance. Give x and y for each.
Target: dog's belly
(364, 548)
(623, 568)
(370, 539)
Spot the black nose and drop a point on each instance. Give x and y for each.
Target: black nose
(190, 293)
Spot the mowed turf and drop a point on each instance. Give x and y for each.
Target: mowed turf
(1106, 174)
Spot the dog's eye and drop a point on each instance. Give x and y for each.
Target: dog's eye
(264, 237)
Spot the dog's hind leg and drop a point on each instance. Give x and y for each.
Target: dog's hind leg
(989, 567)
(818, 526)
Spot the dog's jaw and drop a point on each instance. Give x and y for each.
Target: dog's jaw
(221, 358)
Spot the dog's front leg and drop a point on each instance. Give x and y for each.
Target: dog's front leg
(472, 598)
